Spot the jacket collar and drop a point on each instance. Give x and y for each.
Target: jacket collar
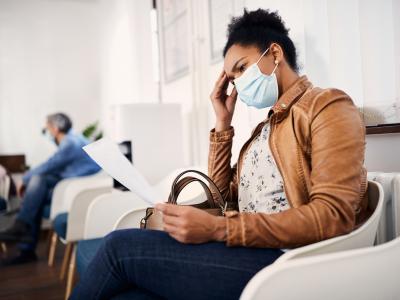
(290, 97)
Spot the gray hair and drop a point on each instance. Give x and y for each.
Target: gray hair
(60, 121)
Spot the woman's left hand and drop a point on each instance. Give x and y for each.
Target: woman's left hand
(191, 225)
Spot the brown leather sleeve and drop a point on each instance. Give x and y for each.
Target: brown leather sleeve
(219, 163)
(337, 177)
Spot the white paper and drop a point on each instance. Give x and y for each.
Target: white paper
(108, 156)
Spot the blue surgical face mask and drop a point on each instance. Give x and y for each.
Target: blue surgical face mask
(49, 136)
(257, 89)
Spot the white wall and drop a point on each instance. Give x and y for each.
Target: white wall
(49, 61)
(85, 57)
(383, 153)
(156, 134)
(127, 64)
(80, 57)
(339, 42)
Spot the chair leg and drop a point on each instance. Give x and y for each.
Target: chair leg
(71, 273)
(4, 248)
(66, 260)
(49, 239)
(52, 250)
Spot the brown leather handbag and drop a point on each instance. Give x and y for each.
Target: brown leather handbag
(153, 218)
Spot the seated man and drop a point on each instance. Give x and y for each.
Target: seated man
(38, 184)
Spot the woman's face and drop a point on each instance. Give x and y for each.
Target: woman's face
(238, 58)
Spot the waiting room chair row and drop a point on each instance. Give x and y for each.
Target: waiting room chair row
(95, 209)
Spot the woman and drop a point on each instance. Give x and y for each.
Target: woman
(299, 179)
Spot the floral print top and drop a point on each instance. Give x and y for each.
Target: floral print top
(261, 184)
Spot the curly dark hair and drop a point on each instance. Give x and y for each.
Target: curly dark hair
(261, 28)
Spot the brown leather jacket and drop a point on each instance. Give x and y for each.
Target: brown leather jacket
(318, 140)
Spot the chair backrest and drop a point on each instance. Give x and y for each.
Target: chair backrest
(396, 205)
(67, 189)
(105, 210)
(386, 228)
(77, 213)
(191, 195)
(5, 183)
(368, 274)
(364, 236)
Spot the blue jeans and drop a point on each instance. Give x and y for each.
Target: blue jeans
(146, 264)
(37, 195)
(3, 204)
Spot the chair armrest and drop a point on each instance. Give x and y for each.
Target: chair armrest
(364, 236)
(105, 210)
(353, 274)
(67, 189)
(79, 208)
(396, 204)
(386, 225)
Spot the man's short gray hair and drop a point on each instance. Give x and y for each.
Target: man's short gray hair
(60, 121)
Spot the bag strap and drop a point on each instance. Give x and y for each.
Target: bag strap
(179, 184)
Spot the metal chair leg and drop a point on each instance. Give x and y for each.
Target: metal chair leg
(52, 250)
(66, 260)
(71, 273)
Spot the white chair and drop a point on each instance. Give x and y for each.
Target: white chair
(105, 211)
(75, 225)
(396, 204)
(102, 210)
(5, 183)
(67, 189)
(364, 236)
(75, 193)
(117, 206)
(368, 274)
(192, 195)
(386, 229)
(130, 219)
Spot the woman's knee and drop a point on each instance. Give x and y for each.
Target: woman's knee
(127, 241)
(119, 239)
(126, 236)
(119, 236)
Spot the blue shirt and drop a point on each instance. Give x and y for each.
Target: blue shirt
(70, 160)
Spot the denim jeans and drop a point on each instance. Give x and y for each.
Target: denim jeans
(37, 195)
(3, 204)
(146, 264)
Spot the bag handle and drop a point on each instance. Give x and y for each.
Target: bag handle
(178, 185)
(181, 184)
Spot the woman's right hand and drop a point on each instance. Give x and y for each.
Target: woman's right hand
(224, 105)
